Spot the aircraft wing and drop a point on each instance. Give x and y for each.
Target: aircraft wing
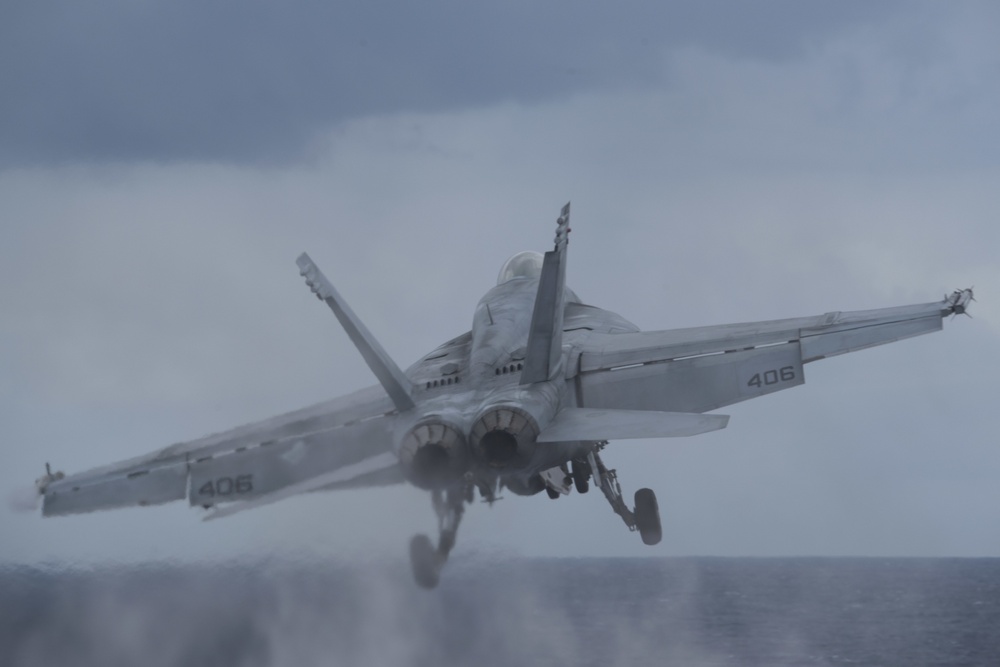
(247, 463)
(704, 368)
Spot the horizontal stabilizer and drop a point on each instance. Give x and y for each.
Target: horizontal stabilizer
(343, 475)
(591, 424)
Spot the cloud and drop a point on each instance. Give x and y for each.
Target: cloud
(254, 82)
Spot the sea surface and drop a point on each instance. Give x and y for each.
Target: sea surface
(513, 611)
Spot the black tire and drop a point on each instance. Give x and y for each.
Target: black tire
(647, 516)
(424, 561)
(553, 494)
(581, 473)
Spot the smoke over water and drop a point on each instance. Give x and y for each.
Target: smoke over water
(698, 612)
(24, 500)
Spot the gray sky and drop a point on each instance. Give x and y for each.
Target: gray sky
(162, 165)
(255, 83)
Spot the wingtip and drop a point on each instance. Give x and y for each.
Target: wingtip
(958, 301)
(303, 261)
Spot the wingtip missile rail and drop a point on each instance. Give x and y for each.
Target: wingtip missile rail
(957, 303)
(42, 483)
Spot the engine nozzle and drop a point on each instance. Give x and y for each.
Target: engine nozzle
(434, 455)
(504, 437)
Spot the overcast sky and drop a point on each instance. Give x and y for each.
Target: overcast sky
(162, 165)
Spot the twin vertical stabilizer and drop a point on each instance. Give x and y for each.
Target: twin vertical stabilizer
(544, 351)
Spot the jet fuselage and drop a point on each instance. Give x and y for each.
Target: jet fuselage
(498, 416)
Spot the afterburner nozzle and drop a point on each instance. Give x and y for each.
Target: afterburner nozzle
(504, 436)
(433, 454)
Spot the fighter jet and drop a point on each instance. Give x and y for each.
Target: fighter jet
(526, 401)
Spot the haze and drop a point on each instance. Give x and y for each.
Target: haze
(162, 165)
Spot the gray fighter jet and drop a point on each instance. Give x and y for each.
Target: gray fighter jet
(525, 401)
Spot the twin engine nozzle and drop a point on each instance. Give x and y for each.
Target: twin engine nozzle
(435, 454)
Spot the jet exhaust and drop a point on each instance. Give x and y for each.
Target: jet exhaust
(504, 437)
(504, 433)
(499, 446)
(434, 455)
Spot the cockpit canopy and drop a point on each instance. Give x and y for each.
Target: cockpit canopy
(527, 264)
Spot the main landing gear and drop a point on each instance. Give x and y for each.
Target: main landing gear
(645, 517)
(449, 505)
(426, 560)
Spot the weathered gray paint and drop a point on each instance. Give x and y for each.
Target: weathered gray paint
(692, 384)
(544, 347)
(609, 370)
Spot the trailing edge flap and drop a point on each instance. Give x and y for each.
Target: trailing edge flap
(366, 467)
(385, 369)
(544, 349)
(572, 424)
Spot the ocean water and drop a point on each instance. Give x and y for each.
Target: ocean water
(514, 611)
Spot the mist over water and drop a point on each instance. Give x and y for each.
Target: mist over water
(488, 612)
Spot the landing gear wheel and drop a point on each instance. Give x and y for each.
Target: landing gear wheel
(553, 494)
(424, 561)
(647, 516)
(580, 474)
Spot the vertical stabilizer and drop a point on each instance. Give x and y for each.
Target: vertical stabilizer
(388, 373)
(544, 350)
